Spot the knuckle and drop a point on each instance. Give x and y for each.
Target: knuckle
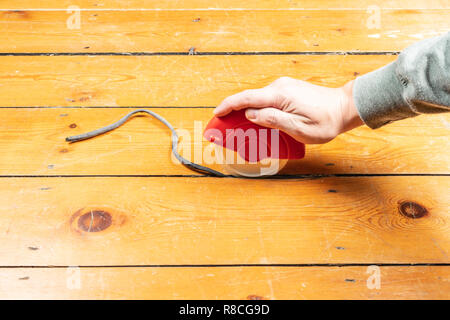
(281, 83)
(245, 100)
(246, 96)
(283, 80)
(271, 117)
(279, 97)
(228, 103)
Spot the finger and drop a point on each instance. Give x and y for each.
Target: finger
(254, 98)
(276, 119)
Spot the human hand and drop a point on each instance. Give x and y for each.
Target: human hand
(307, 112)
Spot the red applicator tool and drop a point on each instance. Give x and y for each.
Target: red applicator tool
(253, 150)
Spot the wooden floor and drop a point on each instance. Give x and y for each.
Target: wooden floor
(363, 217)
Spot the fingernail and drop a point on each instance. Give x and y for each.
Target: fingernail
(251, 114)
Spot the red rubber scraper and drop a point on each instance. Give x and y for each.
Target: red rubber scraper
(254, 150)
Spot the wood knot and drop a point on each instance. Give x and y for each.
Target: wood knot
(94, 221)
(73, 125)
(91, 220)
(412, 210)
(254, 297)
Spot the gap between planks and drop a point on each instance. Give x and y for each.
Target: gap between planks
(243, 265)
(206, 53)
(275, 177)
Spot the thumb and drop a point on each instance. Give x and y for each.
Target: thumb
(273, 118)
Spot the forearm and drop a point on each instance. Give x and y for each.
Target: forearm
(417, 82)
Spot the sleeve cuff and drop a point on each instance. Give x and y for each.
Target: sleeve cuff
(378, 97)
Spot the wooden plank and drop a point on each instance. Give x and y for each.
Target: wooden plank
(222, 4)
(422, 282)
(223, 31)
(33, 143)
(158, 221)
(162, 80)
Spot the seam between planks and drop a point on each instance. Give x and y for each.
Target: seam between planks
(205, 53)
(275, 265)
(275, 177)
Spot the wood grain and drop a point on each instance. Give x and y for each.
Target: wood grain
(223, 4)
(153, 221)
(151, 235)
(225, 283)
(33, 143)
(218, 31)
(162, 80)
